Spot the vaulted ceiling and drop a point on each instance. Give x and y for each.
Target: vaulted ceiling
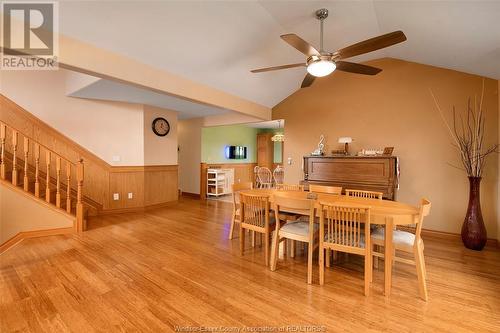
(218, 42)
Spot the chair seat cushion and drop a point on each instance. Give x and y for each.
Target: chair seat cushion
(399, 237)
(298, 228)
(335, 239)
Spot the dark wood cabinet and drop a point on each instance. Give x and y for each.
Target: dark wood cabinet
(378, 173)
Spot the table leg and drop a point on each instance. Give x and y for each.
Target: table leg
(388, 256)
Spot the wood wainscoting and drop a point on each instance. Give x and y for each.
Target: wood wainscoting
(151, 185)
(243, 172)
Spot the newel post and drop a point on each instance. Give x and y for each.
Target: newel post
(79, 195)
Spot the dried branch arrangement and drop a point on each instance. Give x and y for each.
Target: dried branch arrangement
(468, 133)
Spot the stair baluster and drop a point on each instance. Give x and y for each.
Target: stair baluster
(47, 180)
(37, 170)
(25, 169)
(2, 151)
(79, 203)
(68, 188)
(26, 154)
(14, 157)
(58, 182)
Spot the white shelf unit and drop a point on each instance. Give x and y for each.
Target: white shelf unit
(219, 181)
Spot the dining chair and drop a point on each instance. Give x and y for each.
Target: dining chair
(364, 194)
(278, 175)
(340, 229)
(236, 204)
(408, 239)
(265, 177)
(290, 187)
(325, 189)
(299, 230)
(255, 216)
(256, 176)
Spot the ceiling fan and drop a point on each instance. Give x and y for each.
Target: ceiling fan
(321, 63)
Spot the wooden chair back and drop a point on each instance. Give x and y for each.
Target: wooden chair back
(279, 175)
(237, 187)
(290, 187)
(364, 194)
(416, 228)
(425, 208)
(254, 210)
(256, 175)
(265, 177)
(295, 205)
(341, 227)
(325, 189)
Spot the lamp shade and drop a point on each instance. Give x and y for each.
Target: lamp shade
(345, 139)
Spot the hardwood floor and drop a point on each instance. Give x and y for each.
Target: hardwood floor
(175, 267)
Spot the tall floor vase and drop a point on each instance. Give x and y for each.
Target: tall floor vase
(473, 230)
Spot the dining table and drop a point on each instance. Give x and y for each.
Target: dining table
(387, 213)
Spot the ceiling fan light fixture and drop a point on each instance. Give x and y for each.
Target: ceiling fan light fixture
(321, 67)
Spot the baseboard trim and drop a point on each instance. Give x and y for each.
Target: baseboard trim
(19, 237)
(453, 236)
(137, 209)
(191, 195)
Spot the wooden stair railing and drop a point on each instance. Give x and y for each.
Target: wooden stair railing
(74, 171)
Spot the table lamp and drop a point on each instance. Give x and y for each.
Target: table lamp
(345, 140)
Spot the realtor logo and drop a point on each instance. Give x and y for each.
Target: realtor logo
(29, 35)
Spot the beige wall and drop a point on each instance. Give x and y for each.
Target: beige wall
(190, 154)
(159, 150)
(395, 108)
(17, 211)
(106, 129)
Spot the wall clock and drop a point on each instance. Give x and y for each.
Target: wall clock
(161, 127)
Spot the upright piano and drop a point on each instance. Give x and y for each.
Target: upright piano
(370, 173)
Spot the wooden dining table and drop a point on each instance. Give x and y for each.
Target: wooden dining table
(383, 212)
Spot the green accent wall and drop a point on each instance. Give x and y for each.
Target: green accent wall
(215, 139)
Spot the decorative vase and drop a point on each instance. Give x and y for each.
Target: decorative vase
(473, 230)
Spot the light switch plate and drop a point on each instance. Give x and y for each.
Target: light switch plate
(116, 158)
(289, 161)
(116, 196)
(130, 195)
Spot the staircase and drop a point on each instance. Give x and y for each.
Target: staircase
(42, 173)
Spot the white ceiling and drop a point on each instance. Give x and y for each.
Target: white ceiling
(217, 43)
(114, 91)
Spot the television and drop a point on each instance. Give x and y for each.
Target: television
(236, 152)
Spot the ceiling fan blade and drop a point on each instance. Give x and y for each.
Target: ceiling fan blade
(308, 80)
(352, 67)
(371, 44)
(267, 69)
(300, 44)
